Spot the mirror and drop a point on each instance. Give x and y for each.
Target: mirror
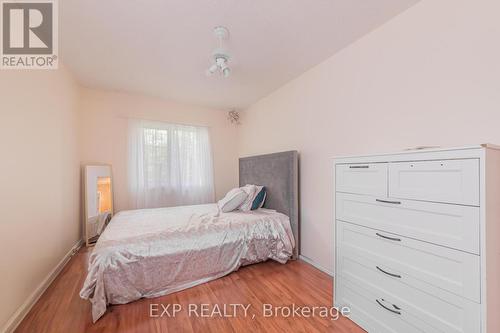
(98, 193)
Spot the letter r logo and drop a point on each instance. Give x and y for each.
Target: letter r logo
(27, 27)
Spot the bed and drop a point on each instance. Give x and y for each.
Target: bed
(155, 252)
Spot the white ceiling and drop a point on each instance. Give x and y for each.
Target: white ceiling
(163, 47)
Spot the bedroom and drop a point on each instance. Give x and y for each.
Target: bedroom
(316, 80)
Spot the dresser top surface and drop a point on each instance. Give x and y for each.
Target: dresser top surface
(419, 154)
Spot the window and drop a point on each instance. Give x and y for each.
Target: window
(169, 165)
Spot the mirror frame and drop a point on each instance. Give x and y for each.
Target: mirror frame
(85, 212)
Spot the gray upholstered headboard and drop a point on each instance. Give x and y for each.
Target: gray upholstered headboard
(279, 173)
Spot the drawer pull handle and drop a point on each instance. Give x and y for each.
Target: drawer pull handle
(388, 309)
(359, 166)
(389, 201)
(390, 274)
(389, 238)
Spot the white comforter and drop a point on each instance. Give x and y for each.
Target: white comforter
(154, 252)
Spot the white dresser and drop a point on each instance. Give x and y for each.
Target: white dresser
(417, 239)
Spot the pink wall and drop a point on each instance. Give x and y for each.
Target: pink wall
(104, 127)
(39, 180)
(430, 76)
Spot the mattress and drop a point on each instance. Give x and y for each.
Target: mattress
(154, 252)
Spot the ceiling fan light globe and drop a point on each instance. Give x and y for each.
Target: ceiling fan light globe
(211, 70)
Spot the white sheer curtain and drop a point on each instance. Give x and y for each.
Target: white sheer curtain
(169, 165)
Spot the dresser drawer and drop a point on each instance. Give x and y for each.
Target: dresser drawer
(430, 268)
(399, 306)
(447, 181)
(366, 312)
(453, 226)
(362, 178)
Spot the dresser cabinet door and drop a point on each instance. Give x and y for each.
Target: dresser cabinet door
(446, 181)
(368, 178)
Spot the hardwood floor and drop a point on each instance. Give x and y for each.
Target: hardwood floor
(61, 309)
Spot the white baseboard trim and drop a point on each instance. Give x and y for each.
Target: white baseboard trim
(23, 310)
(311, 262)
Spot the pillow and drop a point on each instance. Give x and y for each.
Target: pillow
(260, 198)
(250, 190)
(232, 200)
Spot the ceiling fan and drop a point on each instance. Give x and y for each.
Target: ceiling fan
(220, 55)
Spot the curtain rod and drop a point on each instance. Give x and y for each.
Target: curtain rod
(163, 121)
